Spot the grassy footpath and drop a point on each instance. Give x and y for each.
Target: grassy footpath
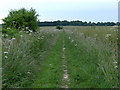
(51, 74)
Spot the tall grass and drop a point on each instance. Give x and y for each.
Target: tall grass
(35, 59)
(92, 61)
(23, 57)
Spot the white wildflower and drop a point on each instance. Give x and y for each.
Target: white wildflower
(75, 45)
(6, 35)
(63, 48)
(69, 37)
(23, 29)
(6, 57)
(21, 35)
(116, 30)
(13, 39)
(114, 62)
(72, 41)
(30, 31)
(116, 67)
(27, 27)
(81, 34)
(8, 28)
(5, 52)
(28, 72)
(107, 36)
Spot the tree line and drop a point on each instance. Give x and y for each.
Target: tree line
(75, 23)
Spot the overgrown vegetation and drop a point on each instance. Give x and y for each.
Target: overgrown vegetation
(24, 57)
(92, 57)
(34, 60)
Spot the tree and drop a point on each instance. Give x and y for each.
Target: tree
(21, 19)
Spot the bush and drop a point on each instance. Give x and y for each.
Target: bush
(59, 27)
(21, 19)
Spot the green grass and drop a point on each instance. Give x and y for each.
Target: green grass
(90, 63)
(51, 74)
(25, 57)
(35, 60)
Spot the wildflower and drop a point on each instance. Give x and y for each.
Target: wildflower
(81, 34)
(50, 64)
(71, 32)
(9, 40)
(27, 27)
(69, 37)
(21, 35)
(8, 28)
(114, 62)
(6, 35)
(5, 52)
(30, 34)
(42, 37)
(28, 72)
(13, 39)
(75, 45)
(38, 38)
(115, 30)
(72, 41)
(6, 57)
(107, 36)
(23, 29)
(30, 31)
(63, 48)
(116, 67)
(27, 32)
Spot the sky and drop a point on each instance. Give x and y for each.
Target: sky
(51, 10)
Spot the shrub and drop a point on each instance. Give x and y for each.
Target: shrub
(59, 27)
(21, 19)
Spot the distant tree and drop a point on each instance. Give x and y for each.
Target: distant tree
(21, 19)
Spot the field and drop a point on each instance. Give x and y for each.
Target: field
(73, 57)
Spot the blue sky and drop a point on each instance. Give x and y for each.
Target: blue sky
(51, 10)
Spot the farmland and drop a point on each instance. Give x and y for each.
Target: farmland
(73, 57)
